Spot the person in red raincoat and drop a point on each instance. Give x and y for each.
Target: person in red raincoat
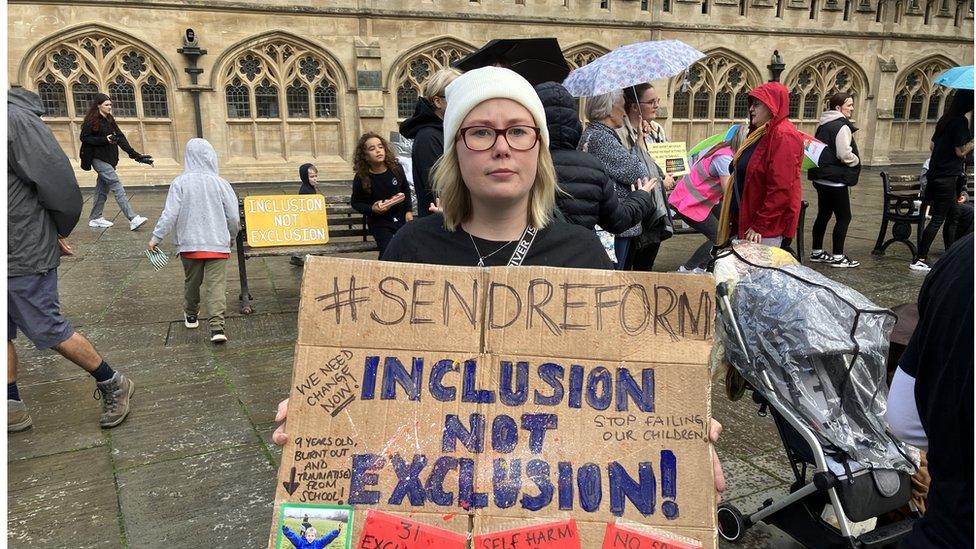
(763, 203)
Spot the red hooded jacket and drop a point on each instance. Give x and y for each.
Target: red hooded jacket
(771, 194)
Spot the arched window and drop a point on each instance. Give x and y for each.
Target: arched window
(255, 78)
(93, 63)
(711, 95)
(412, 72)
(283, 100)
(918, 103)
(812, 84)
(53, 97)
(580, 56)
(154, 103)
(69, 70)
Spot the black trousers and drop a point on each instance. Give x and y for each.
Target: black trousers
(382, 231)
(941, 195)
(832, 202)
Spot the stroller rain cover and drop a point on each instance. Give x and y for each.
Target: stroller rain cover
(821, 348)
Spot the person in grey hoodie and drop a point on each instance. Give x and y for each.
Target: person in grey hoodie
(203, 209)
(839, 169)
(43, 207)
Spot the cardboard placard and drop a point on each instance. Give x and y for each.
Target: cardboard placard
(474, 400)
(285, 220)
(671, 156)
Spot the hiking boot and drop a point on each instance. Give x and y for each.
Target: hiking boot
(114, 395)
(17, 417)
(920, 265)
(844, 262)
(100, 223)
(136, 222)
(821, 257)
(218, 336)
(190, 321)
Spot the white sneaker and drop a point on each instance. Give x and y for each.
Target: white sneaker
(920, 265)
(137, 221)
(844, 262)
(190, 321)
(100, 223)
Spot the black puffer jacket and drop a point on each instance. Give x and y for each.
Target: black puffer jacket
(427, 131)
(592, 196)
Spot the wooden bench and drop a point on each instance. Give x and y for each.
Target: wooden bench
(347, 234)
(901, 193)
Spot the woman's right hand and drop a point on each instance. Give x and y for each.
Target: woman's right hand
(280, 437)
(646, 184)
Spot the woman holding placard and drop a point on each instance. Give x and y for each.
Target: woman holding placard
(380, 190)
(496, 184)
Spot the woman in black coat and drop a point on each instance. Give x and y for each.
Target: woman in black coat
(587, 196)
(100, 142)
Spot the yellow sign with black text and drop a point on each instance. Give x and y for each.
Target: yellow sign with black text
(286, 220)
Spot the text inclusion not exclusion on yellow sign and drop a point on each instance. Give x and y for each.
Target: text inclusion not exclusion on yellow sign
(286, 220)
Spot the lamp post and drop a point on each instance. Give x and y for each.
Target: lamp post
(191, 50)
(776, 66)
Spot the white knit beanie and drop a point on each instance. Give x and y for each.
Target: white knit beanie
(479, 85)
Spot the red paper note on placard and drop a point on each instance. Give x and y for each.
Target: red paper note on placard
(549, 535)
(384, 530)
(618, 537)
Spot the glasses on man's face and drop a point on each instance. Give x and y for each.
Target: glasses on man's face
(482, 138)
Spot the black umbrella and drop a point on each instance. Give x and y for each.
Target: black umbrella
(538, 60)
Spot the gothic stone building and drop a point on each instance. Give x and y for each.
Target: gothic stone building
(290, 81)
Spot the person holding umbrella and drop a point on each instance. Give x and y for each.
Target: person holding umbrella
(426, 128)
(762, 204)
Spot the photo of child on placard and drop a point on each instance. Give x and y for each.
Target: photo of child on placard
(307, 526)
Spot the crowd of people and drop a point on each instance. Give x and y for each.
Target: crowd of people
(504, 174)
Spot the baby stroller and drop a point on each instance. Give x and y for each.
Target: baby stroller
(814, 352)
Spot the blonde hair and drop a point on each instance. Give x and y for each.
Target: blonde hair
(456, 199)
(438, 82)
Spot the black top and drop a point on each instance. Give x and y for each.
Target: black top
(739, 169)
(588, 197)
(382, 186)
(427, 131)
(558, 245)
(306, 187)
(95, 144)
(944, 162)
(940, 358)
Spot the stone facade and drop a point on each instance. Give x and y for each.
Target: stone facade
(289, 81)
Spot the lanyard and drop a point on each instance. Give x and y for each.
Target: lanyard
(528, 237)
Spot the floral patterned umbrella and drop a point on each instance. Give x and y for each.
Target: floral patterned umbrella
(631, 65)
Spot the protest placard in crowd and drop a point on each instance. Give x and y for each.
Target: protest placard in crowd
(471, 400)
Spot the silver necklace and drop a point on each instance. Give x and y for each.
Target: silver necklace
(482, 258)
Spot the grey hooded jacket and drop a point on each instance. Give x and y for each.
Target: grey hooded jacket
(201, 205)
(43, 198)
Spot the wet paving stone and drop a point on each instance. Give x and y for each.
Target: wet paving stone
(66, 499)
(223, 498)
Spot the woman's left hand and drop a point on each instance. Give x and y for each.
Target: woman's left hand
(669, 183)
(714, 430)
(753, 236)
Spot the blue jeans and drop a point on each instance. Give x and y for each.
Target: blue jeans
(107, 181)
(621, 246)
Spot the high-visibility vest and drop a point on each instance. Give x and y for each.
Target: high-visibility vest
(698, 192)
